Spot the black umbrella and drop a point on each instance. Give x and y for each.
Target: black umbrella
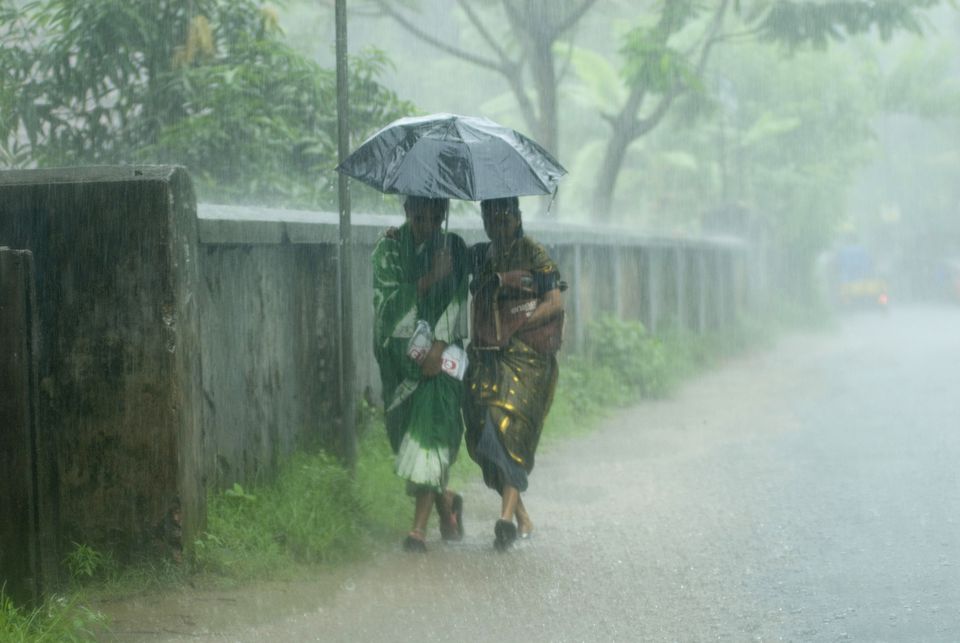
(453, 157)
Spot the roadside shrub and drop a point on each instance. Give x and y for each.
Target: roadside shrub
(84, 563)
(636, 357)
(58, 619)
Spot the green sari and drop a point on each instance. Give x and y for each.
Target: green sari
(422, 414)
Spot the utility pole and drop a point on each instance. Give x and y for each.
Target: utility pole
(348, 384)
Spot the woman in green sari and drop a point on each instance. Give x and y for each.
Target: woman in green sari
(517, 321)
(420, 273)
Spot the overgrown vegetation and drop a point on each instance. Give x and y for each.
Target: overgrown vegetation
(58, 620)
(312, 513)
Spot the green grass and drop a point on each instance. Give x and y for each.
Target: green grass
(58, 620)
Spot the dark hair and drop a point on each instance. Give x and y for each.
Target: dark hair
(419, 203)
(509, 204)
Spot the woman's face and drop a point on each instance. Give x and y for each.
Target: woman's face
(425, 222)
(500, 224)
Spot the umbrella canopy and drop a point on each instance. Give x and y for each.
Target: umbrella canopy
(453, 157)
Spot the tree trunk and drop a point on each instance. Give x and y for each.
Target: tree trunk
(607, 175)
(620, 138)
(545, 80)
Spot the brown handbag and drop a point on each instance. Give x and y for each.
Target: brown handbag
(494, 325)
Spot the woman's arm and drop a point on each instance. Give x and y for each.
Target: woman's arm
(550, 305)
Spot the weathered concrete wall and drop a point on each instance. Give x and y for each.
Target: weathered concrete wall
(115, 252)
(28, 503)
(268, 346)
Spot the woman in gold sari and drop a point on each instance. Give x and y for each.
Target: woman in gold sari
(517, 318)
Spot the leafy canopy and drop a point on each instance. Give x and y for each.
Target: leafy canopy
(210, 84)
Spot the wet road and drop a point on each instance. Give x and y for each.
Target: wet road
(809, 493)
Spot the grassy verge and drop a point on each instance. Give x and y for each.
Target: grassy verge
(58, 619)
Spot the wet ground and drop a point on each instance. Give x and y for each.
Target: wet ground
(809, 493)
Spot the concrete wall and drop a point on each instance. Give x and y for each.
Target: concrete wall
(268, 348)
(115, 252)
(28, 550)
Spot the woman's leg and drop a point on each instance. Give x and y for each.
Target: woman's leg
(450, 513)
(421, 511)
(508, 502)
(505, 531)
(524, 524)
(416, 539)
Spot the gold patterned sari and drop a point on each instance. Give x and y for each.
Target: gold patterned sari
(509, 388)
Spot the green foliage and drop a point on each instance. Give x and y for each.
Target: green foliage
(637, 358)
(315, 511)
(311, 513)
(84, 563)
(651, 62)
(58, 620)
(210, 84)
(922, 82)
(800, 22)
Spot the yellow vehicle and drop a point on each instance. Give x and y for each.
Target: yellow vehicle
(858, 285)
(864, 292)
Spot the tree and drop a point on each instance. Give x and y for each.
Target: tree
(664, 57)
(537, 27)
(206, 83)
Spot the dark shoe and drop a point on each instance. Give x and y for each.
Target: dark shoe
(414, 544)
(506, 534)
(451, 522)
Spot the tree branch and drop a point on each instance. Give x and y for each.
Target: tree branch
(712, 38)
(484, 33)
(572, 18)
(439, 44)
(516, 20)
(642, 126)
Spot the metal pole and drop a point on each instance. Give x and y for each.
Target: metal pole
(348, 385)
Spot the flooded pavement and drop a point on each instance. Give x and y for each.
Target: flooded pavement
(809, 493)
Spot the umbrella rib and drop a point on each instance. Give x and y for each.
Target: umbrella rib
(473, 168)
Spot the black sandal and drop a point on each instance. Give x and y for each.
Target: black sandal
(505, 533)
(414, 543)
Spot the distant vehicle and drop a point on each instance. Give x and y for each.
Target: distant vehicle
(857, 283)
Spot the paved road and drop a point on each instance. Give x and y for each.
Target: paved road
(810, 493)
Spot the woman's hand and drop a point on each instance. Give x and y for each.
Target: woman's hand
(520, 280)
(433, 360)
(549, 306)
(440, 267)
